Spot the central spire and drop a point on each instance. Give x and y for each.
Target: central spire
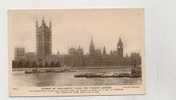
(91, 47)
(91, 42)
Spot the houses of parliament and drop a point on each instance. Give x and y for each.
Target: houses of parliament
(76, 57)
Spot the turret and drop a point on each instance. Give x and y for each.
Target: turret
(104, 50)
(43, 22)
(91, 47)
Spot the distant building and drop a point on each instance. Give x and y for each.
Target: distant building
(43, 56)
(19, 53)
(95, 57)
(76, 56)
(30, 56)
(135, 58)
(98, 57)
(43, 39)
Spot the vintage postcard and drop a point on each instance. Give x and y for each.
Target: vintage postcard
(76, 52)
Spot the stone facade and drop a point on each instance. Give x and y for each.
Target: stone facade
(43, 39)
(76, 57)
(99, 57)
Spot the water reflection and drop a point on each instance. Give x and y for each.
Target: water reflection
(43, 79)
(68, 79)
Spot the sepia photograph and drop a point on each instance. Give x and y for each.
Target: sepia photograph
(76, 52)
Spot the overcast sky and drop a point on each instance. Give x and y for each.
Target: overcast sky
(71, 28)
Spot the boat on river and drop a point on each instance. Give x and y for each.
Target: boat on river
(105, 75)
(47, 70)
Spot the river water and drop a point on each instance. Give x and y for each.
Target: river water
(68, 79)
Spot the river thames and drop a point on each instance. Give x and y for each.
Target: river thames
(68, 79)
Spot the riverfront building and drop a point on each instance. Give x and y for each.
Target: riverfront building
(76, 57)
